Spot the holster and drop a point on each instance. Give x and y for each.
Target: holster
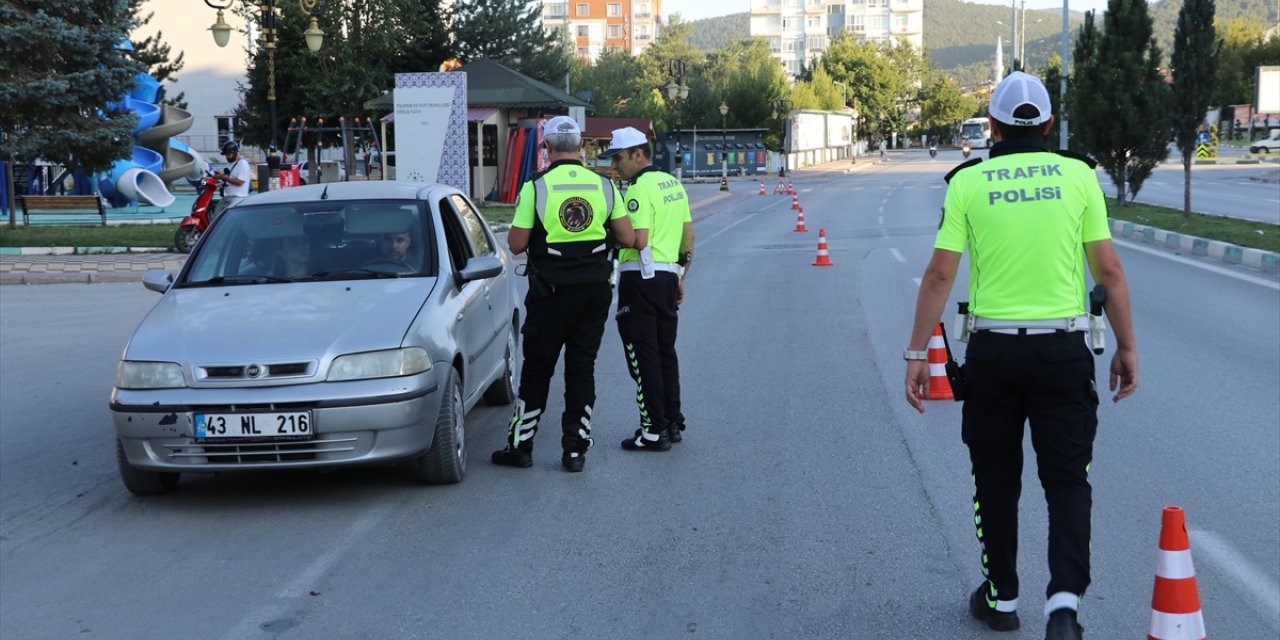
(955, 376)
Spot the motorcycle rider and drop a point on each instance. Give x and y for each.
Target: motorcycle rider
(235, 178)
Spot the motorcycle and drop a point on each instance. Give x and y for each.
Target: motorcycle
(933, 151)
(194, 225)
(964, 149)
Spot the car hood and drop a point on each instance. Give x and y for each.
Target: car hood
(263, 323)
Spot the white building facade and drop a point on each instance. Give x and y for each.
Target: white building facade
(800, 30)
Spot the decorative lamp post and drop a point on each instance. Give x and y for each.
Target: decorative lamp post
(781, 108)
(677, 91)
(724, 153)
(267, 20)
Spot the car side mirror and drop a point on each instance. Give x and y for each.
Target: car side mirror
(157, 280)
(480, 268)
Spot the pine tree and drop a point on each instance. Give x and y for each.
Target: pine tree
(154, 52)
(510, 32)
(1121, 102)
(62, 79)
(1195, 67)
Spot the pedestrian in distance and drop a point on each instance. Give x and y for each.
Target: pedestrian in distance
(563, 216)
(235, 178)
(1030, 219)
(651, 288)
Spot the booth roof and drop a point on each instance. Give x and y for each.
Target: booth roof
(602, 128)
(490, 84)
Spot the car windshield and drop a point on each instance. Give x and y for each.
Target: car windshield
(311, 241)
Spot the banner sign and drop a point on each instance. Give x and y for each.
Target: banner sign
(431, 129)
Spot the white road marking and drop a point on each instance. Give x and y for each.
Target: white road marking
(880, 220)
(709, 200)
(702, 243)
(1253, 585)
(302, 584)
(897, 255)
(1198, 264)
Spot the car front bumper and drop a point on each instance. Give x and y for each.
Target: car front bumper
(353, 423)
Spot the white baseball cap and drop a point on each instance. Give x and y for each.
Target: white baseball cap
(1016, 90)
(624, 138)
(561, 124)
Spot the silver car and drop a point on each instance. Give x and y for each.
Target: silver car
(320, 326)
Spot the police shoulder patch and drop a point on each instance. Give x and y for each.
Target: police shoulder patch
(961, 167)
(633, 205)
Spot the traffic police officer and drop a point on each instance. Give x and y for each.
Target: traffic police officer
(560, 219)
(651, 287)
(1030, 218)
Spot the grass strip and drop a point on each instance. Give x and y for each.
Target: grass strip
(141, 235)
(1252, 235)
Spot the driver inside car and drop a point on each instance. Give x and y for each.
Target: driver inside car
(395, 246)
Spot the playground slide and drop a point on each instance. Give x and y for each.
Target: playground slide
(158, 161)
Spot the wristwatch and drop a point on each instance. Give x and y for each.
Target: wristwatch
(908, 354)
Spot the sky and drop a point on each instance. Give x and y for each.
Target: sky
(698, 9)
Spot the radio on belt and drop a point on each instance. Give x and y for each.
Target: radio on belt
(1097, 328)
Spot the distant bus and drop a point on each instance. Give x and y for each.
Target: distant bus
(976, 131)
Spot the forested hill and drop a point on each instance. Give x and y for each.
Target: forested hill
(968, 53)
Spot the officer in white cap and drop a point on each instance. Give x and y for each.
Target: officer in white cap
(1030, 219)
(651, 287)
(562, 219)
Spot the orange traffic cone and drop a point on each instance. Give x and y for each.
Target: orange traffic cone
(800, 228)
(762, 188)
(939, 386)
(824, 259)
(1175, 603)
(795, 202)
(791, 187)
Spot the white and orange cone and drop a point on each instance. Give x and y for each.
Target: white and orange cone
(791, 187)
(762, 188)
(939, 386)
(800, 228)
(795, 202)
(1175, 602)
(824, 258)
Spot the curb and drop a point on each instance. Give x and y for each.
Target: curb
(1267, 261)
(78, 251)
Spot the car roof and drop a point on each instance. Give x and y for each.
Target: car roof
(360, 190)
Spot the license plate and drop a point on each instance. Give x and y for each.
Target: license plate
(292, 425)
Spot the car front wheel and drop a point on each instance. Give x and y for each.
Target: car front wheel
(446, 461)
(143, 483)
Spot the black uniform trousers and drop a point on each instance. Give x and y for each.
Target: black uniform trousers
(1048, 380)
(572, 318)
(647, 322)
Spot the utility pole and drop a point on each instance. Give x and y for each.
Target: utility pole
(1062, 81)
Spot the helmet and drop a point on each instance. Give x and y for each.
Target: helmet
(230, 146)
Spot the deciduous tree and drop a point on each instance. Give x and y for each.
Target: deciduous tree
(1195, 66)
(510, 32)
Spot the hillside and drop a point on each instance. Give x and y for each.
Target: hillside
(968, 54)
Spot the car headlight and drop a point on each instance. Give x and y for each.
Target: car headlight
(149, 375)
(379, 364)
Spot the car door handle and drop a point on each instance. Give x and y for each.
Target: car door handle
(459, 316)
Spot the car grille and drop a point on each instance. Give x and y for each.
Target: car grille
(257, 452)
(247, 371)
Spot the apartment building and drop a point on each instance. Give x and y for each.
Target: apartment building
(593, 27)
(799, 30)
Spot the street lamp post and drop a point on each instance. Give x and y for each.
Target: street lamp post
(781, 108)
(677, 91)
(724, 152)
(267, 19)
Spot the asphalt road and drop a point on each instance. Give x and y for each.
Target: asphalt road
(807, 500)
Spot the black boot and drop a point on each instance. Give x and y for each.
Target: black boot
(508, 457)
(998, 620)
(573, 461)
(675, 432)
(1063, 626)
(641, 443)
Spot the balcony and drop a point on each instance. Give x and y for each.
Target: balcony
(906, 6)
(906, 31)
(766, 7)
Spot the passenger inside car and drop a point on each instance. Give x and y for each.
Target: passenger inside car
(293, 258)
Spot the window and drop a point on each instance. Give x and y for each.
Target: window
(614, 10)
(900, 23)
(789, 45)
(584, 9)
(615, 31)
(788, 23)
(556, 10)
(813, 22)
(479, 240)
(858, 22)
(584, 31)
(816, 43)
(877, 23)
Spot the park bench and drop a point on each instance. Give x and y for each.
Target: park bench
(62, 205)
